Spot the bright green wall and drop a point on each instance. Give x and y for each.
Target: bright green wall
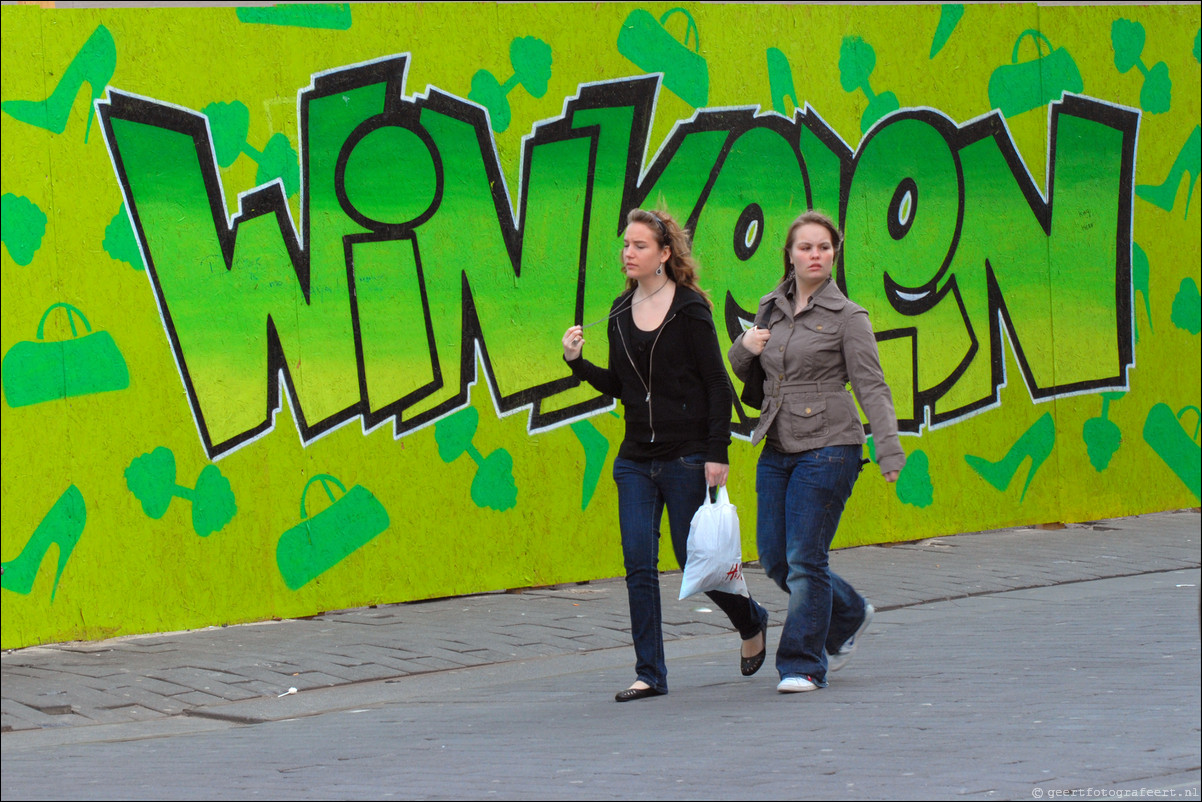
(312, 261)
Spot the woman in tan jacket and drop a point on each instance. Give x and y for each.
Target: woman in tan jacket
(811, 341)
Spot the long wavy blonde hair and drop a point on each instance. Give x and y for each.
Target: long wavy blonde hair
(681, 267)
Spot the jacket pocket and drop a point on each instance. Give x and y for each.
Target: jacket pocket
(807, 416)
(822, 333)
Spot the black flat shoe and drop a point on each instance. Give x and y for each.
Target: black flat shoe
(630, 694)
(750, 665)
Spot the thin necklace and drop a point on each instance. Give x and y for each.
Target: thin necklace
(633, 304)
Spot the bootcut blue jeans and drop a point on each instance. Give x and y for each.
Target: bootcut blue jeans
(644, 489)
(800, 499)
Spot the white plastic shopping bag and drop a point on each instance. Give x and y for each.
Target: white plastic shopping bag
(715, 553)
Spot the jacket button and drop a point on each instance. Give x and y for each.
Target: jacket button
(782, 377)
(819, 328)
(807, 410)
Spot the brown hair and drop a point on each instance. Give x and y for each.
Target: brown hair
(812, 216)
(681, 267)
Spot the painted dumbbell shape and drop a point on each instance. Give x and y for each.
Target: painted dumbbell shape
(1128, 36)
(531, 62)
(151, 478)
(1101, 435)
(857, 60)
(1187, 306)
(120, 242)
(493, 486)
(230, 124)
(24, 225)
(914, 484)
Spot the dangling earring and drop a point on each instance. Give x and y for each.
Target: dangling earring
(659, 271)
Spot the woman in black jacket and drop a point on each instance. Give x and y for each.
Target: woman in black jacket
(666, 367)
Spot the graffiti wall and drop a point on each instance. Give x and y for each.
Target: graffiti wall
(283, 287)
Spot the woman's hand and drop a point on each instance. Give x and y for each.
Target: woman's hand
(573, 343)
(755, 338)
(891, 476)
(716, 473)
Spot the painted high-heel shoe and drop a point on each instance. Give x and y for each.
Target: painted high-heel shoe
(1141, 279)
(1036, 443)
(62, 526)
(857, 60)
(949, 17)
(780, 82)
(94, 65)
(1189, 160)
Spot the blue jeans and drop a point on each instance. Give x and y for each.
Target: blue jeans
(644, 489)
(801, 497)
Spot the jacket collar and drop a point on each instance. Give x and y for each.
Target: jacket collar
(828, 296)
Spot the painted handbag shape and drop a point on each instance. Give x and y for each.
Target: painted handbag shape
(647, 43)
(319, 543)
(1022, 86)
(45, 371)
(1173, 444)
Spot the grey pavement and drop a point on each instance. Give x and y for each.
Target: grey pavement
(1020, 663)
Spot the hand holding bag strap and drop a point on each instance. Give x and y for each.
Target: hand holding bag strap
(753, 388)
(716, 495)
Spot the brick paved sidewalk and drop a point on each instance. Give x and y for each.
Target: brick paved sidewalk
(144, 678)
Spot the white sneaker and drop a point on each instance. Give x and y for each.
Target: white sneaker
(838, 659)
(796, 685)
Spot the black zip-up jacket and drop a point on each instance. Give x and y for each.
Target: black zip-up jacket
(687, 394)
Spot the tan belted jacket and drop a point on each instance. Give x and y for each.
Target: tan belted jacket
(808, 362)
